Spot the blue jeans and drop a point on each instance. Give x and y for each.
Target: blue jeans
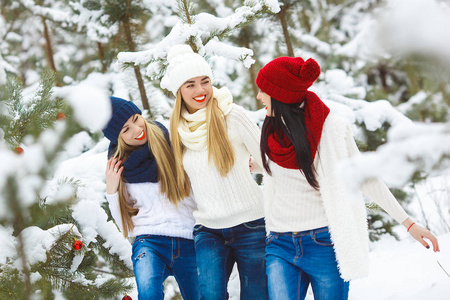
(217, 251)
(296, 259)
(156, 257)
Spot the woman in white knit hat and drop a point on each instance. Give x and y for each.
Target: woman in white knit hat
(212, 140)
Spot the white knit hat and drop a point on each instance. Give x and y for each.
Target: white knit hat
(184, 64)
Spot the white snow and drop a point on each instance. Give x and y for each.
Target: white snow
(399, 269)
(92, 107)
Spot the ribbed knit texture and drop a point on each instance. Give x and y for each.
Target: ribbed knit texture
(157, 215)
(192, 128)
(184, 64)
(225, 202)
(292, 205)
(286, 79)
(315, 114)
(122, 110)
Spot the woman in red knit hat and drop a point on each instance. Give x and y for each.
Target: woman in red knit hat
(317, 233)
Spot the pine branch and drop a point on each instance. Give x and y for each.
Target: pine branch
(33, 118)
(11, 284)
(113, 259)
(185, 11)
(373, 207)
(247, 19)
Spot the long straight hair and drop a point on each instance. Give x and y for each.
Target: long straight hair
(290, 120)
(220, 149)
(165, 162)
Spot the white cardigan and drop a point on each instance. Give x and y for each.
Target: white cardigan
(333, 205)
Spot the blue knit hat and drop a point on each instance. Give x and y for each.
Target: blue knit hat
(122, 110)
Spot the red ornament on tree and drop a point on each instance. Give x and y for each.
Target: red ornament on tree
(18, 150)
(77, 245)
(126, 297)
(61, 116)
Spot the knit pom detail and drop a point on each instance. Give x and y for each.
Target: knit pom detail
(178, 50)
(310, 71)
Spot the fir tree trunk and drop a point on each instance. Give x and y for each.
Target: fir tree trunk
(48, 46)
(411, 72)
(445, 95)
(101, 56)
(18, 225)
(305, 20)
(137, 70)
(245, 38)
(255, 88)
(325, 28)
(185, 9)
(282, 15)
(382, 72)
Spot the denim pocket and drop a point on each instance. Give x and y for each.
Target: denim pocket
(323, 239)
(270, 237)
(256, 224)
(198, 228)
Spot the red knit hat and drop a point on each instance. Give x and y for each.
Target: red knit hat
(286, 79)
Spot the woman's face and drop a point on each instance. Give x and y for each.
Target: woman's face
(134, 131)
(196, 92)
(266, 100)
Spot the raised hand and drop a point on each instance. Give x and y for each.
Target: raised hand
(113, 172)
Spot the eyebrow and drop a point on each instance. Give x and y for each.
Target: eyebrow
(193, 81)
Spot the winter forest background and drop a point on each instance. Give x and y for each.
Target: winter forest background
(385, 67)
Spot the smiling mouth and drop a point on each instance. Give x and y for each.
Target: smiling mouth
(141, 136)
(200, 99)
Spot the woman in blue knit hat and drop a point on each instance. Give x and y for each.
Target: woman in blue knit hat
(146, 202)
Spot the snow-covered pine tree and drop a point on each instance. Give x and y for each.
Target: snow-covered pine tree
(42, 253)
(129, 16)
(90, 21)
(204, 32)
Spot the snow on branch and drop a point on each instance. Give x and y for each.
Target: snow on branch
(337, 88)
(55, 13)
(5, 67)
(204, 33)
(411, 147)
(95, 21)
(94, 221)
(372, 114)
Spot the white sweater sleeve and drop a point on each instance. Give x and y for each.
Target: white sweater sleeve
(374, 188)
(249, 133)
(113, 203)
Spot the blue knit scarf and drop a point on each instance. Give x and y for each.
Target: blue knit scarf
(140, 166)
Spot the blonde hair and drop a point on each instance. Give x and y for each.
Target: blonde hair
(167, 178)
(220, 149)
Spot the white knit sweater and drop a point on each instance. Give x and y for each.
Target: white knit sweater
(157, 215)
(291, 204)
(225, 202)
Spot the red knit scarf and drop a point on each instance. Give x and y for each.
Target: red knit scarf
(315, 114)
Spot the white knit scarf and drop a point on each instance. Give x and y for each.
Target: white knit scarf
(192, 127)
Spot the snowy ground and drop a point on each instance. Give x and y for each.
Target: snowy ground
(405, 270)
